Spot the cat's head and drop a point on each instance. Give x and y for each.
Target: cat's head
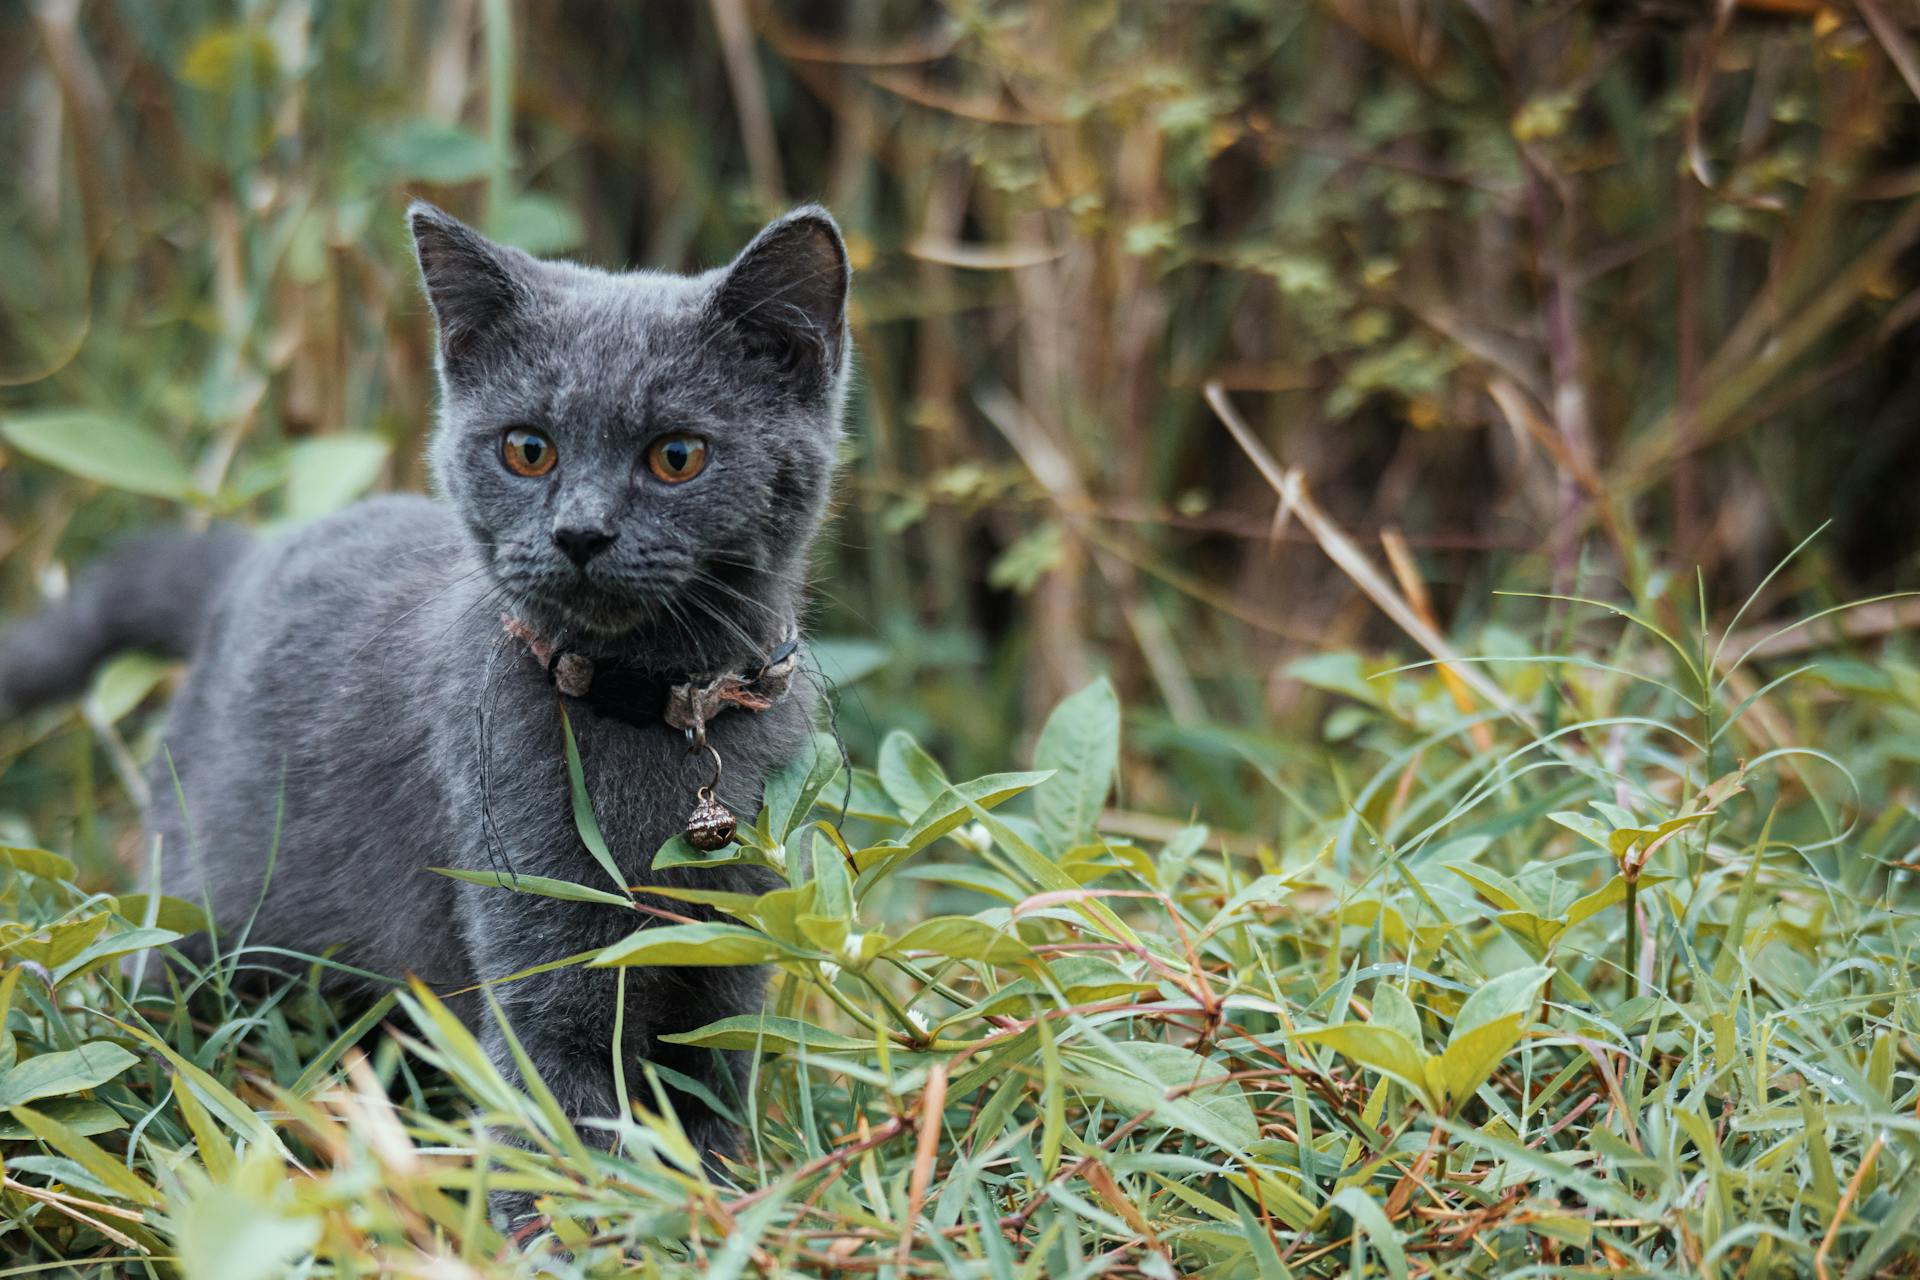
(641, 458)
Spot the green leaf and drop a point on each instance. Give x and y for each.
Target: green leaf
(844, 660)
(426, 150)
(706, 943)
(94, 446)
(1392, 1010)
(1377, 1048)
(1371, 1220)
(1266, 1258)
(216, 1097)
(952, 806)
(791, 791)
(1081, 744)
(37, 862)
(317, 1069)
(1581, 824)
(124, 682)
(540, 886)
(114, 944)
(216, 1153)
(832, 885)
(325, 473)
(537, 223)
(583, 819)
(49, 1075)
(1036, 866)
(83, 1116)
(734, 904)
(911, 777)
(1032, 557)
(1508, 993)
(77, 1147)
(1148, 1076)
(963, 938)
(1341, 673)
(765, 1031)
(1261, 891)
(679, 852)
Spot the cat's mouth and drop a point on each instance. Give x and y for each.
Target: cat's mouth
(597, 609)
(601, 602)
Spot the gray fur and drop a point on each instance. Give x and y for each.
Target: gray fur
(343, 677)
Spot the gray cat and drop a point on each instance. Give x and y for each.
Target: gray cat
(633, 467)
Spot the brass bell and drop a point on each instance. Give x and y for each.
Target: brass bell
(711, 824)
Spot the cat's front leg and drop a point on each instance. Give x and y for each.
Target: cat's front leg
(563, 1024)
(676, 1000)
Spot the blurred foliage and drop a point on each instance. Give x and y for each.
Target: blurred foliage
(1566, 297)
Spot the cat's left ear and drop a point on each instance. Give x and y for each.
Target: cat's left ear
(478, 289)
(786, 294)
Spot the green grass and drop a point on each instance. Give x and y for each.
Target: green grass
(1420, 1034)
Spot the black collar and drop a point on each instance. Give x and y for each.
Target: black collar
(637, 696)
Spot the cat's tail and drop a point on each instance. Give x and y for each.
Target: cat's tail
(152, 594)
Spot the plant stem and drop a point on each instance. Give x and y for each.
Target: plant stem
(847, 1006)
(894, 1007)
(1633, 936)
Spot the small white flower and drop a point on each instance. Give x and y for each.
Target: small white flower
(919, 1021)
(829, 971)
(850, 949)
(777, 855)
(976, 837)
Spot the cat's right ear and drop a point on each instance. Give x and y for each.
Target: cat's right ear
(476, 287)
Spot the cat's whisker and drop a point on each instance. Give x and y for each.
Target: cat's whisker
(709, 580)
(452, 586)
(753, 646)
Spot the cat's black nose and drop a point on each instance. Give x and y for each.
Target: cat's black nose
(583, 543)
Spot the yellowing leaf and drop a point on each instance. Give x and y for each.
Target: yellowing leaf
(215, 61)
(1470, 1059)
(1607, 895)
(37, 862)
(1624, 841)
(88, 1155)
(1541, 933)
(1500, 891)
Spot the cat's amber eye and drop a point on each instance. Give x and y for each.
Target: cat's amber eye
(527, 452)
(677, 459)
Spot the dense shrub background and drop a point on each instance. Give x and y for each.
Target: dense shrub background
(1611, 301)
